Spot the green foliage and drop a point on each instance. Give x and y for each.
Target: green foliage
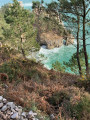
(47, 18)
(18, 69)
(22, 34)
(51, 24)
(35, 4)
(72, 64)
(57, 98)
(83, 107)
(3, 25)
(52, 8)
(5, 53)
(55, 18)
(41, 55)
(11, 69)
(14, 68)
(58, 67)
(40, 114)
(74, 12)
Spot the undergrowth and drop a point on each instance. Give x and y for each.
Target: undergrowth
(45, 91)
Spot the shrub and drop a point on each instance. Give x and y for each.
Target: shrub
(57, 98)
(82, 109)
(58, 67)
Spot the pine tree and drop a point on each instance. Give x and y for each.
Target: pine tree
(75, 12)
(22, 33)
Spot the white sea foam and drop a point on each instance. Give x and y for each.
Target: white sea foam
(43, 51)
(60, 54)
(49, 51)
(75, 42)
(47, 66)
(56, 50)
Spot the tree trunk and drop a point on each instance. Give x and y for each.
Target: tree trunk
(37, 25)
(22, 50)
(84, 39)
(78, 59)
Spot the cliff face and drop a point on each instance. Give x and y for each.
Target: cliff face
(52, 40)
(69, 39)
(51, 30)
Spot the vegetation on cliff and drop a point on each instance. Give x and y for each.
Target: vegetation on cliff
(21, 34)
(76, 13)
(44, 91)
(49, 22)
(26, 82)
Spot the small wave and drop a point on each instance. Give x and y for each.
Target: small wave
(43, 51)
(50, 51)
(56, 50)
(27, 4)
(47, 66)
(75, 42)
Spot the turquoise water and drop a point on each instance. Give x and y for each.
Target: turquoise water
(62, 54)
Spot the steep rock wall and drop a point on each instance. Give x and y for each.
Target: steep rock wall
(52, 40)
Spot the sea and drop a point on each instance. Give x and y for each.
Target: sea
(61, 54)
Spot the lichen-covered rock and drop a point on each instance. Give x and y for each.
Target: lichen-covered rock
(9, 111)
(4, 100)
(4, 108)
(1, 98)
(24, 114)
(70, 39)
(15, 116)
(52, 40)
(1, 105)
(11, 105)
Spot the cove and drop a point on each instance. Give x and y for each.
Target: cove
(61, 54)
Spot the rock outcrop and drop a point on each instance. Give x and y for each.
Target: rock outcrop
(9, 111)
(69, 39)
(52, 40)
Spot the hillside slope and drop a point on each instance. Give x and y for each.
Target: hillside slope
(32, 86)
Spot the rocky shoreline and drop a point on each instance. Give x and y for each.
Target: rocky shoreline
(52, 40)
(9, 111)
